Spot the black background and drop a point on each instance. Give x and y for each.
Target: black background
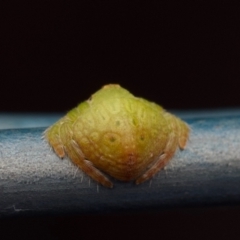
(182, 56)
(192, 223)
(55, 54)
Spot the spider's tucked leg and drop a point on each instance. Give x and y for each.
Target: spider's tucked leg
(75, 154)
(183, 134)
(162, 160)
(53, 135)
(61, 139)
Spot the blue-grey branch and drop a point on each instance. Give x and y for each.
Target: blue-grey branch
(33, 180)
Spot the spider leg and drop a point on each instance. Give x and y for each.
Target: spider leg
(75, 154)
(178, 137)
(61, 139)
(169, 150)
(183, 134)
(162, 161)
(53, 136)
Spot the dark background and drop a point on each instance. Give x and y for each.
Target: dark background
(182, 56)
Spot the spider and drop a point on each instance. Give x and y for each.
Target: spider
(115, 133)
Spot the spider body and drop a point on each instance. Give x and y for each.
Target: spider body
(115, 133)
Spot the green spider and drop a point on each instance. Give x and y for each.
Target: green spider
(115, 133)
